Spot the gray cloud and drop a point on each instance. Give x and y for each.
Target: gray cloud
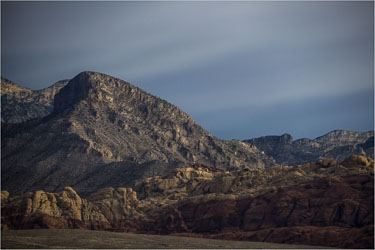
(206, 57)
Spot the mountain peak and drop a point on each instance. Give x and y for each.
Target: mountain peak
(99, 90)
(93, 92)
(79, 88)
(107, 131)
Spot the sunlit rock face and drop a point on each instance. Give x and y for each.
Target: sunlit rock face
(21, 104)
(106, 132)
(338, 144)
(322, 203)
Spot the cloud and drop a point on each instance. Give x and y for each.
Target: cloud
(149, 39)
(202, 56)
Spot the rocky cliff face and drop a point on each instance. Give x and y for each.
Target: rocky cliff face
(66, 209)
(21, 104)
(323, 203)
(338, 144)
(106, 132)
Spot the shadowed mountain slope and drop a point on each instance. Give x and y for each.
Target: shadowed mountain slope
(106, 132)
(338, 144)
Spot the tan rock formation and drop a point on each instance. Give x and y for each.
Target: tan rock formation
(109, 208)
(316, 203)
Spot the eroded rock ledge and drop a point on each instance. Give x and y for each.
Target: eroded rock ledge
(322, 203)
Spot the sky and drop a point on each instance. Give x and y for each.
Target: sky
(240, 69)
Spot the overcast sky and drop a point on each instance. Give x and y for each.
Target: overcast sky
(240, 69)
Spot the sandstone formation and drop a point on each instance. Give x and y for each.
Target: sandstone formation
(20, 104)
(323, 203)
(106, 132)
(338, 144)
(66, 209)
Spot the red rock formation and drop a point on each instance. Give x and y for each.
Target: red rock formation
(325, 211)
(324, 204)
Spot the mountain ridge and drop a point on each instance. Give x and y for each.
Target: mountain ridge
(19, 104)
(337, 144)
(141, 164)
(101, 124)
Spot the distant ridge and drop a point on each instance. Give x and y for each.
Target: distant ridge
(337, 144)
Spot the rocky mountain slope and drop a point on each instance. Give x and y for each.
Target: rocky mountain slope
(323, 203)
(106, 132)
(338, 144)
(21, 104)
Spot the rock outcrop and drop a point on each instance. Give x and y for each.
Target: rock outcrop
(338, 144)
(323, 203)
(106, 209)
(106, 132)
(321, 212)
(22, 104)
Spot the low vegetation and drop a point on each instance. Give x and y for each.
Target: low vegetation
(69, 238)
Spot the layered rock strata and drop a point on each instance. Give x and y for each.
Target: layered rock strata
(323, 203)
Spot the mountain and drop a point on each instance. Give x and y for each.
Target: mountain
(20, 104)
(106, 132)
(324, 203)
(110, 156)
(338, 144)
